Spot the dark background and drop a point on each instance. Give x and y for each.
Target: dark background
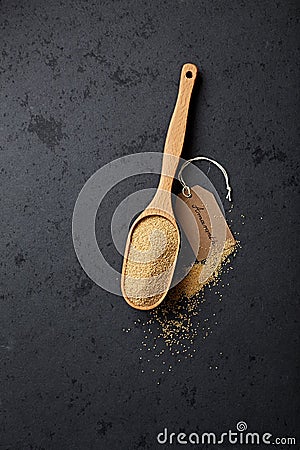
(85, 82)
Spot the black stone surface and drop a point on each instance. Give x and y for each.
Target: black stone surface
(83, 83)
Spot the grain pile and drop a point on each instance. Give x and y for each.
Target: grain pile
(188, 315)
(151, 260)
(193, 283)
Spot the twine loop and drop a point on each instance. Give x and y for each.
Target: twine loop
(186, 190)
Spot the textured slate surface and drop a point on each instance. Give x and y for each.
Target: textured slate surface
(85, 82)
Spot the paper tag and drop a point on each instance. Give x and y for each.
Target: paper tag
(213, 233)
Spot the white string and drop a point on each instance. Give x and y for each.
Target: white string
(186, 191)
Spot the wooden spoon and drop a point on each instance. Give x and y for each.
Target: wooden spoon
(144, 285)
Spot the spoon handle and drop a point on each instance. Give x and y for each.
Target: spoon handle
(176, 132)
